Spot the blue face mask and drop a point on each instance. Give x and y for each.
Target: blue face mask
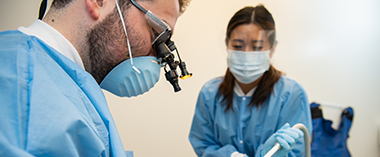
(125, 81)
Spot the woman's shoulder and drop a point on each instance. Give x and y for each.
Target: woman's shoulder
(210, 88)
(212, 85)
(287, 84)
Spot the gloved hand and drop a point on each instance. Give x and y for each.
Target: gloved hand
(286, 137)
(237, 154)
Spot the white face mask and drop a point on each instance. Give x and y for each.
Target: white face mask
(247, 67)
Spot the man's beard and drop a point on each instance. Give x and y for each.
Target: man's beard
(107, 46)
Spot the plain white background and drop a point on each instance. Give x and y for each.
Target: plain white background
(332, 47)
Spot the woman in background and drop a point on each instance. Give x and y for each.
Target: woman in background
(254, 105)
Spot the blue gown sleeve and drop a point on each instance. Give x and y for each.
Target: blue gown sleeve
(8, 149)
(202, 135)
(295, 110)
(129, 153)
(14, 104)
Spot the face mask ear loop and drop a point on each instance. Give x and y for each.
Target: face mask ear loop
(126, 35)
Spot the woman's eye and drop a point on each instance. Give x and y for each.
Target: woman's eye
(257, 48)
(238, 47)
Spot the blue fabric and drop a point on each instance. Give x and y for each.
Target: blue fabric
(49, 105)
(124, 81)
(215, 133)
(328, 142)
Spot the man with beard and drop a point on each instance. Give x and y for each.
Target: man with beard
(51, 101)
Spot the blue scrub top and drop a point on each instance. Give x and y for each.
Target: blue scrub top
(49, 105)
(216, 133)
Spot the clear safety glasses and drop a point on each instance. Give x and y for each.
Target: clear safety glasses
(161, 31)
(261, 40)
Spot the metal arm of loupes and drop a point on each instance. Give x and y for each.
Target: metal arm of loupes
(305, 136)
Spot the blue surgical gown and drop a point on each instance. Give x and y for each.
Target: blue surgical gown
(216, 133)
(49, 106)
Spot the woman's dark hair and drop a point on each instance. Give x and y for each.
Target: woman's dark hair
(260, 16)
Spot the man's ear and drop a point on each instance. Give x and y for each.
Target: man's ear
(273, 49)
(93, 7)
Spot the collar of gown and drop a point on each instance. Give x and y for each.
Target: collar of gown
(240, 92)
(54, 39)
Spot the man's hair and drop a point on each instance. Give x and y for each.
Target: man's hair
(58, 4)
(183, 6)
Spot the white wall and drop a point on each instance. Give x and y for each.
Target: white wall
(330, 46)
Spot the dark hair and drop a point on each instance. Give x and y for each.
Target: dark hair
(260, 16)
(58, 4)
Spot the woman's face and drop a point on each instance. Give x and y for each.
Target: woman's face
(248, 37)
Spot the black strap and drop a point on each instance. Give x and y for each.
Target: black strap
(316, 112)
(349, 115)
(43, 7)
